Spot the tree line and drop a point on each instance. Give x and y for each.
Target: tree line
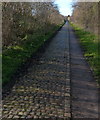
(86, 15)
(20, 18)
(86, 19)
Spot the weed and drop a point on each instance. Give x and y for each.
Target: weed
(15, 56)
(90, 45)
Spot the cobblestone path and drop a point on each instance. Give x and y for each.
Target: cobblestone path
(44, 92)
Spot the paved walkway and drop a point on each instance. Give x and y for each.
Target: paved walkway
(84, 89)
(44, 92)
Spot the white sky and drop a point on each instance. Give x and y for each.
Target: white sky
(64, 6)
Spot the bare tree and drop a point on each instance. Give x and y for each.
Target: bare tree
(22, 18)
(85, 14)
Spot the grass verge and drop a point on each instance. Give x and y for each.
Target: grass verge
(90, 45)
(13, 57)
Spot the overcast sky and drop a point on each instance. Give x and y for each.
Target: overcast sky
(64, 6)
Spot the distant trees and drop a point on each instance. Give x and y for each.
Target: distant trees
(21, 18)
(85, 14)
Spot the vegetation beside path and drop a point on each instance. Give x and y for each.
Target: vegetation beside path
(25, 28)
(15, 56)
(90, 45)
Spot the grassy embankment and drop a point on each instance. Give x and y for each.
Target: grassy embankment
(90, 45)
(15, 56)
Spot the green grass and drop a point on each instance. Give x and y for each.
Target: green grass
(13, 57)
(90, 45)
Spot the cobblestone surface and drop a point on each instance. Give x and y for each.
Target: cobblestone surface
(44, 92)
